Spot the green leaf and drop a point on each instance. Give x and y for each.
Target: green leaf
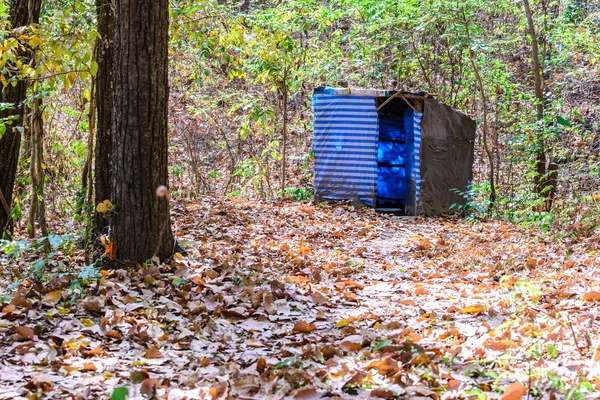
(120, 393)
(381, 345)
(563, 121)
(94, 68)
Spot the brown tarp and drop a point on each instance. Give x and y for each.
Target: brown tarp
(447, 146)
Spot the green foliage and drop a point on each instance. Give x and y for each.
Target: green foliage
(243, 62)
(299, 194)
(476, 202)
(120, 393)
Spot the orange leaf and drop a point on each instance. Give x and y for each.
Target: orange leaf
(111, 251)
(9, 308)
(114, 335)
(474, 309)
(153, 352)
(304, 250)
(421, 291)
(514, 392)
(96, 351)
(261, 365)
(220, 392)
(453, 384)
(350, 297)
(90, 367)
(591, 296)
(53, 297)
(304, 327)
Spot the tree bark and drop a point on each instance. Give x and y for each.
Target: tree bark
(22, 13)
(488, 151)
(141, 226)
(86, 174)
(540, 179)
(102, 164)
(284, 96)
(38, 200)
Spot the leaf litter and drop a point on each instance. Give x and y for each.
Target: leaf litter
(308, 301)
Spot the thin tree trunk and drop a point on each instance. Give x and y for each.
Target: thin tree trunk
(102, 162)
(22, 13)
(488, 151)
(86, 175)
(284, 151)
(539, 177)
(33, 206)
(37, 172)
(141, 226)
(37, 145)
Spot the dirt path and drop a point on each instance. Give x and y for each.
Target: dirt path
(306, 302)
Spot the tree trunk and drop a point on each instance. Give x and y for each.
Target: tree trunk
(540, 179)
(284, 96)
(488, 151)
(38, 200)
(22, 13)
(140, 226)
(102, 164)
(86, 174)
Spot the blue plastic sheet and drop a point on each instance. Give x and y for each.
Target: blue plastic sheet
(345, 146)
(391, 183)
(391, 153)
(392, 128)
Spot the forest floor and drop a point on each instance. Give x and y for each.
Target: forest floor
(309, 301)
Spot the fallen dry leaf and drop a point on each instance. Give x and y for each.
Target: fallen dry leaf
(93, 304)
(9, 308)
(89, 367)
(21, 302)
(319, 298)
(514, 391)
(153, 352)
(308, 394)
(139, 376)
(303, 327)
(219, 392)
(53, 297)
(114, 335)
(25, 333)
(474, 309)
(591, 296)
(149, 387)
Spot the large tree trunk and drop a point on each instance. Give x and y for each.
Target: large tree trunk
(140, 225)
(22, 13)
(102, 167)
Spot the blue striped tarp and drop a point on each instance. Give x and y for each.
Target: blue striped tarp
(416, 172)
(345, 147)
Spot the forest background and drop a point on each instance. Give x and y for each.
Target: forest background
(242, 75)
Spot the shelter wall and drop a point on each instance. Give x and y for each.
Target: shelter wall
(447, 150)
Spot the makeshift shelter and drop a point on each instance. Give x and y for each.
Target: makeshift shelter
(396, 151)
